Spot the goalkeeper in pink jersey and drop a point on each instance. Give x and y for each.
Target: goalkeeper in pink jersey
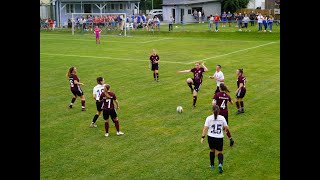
(97, 31)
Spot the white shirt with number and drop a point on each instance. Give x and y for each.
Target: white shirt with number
(215, 126)
(98, 90)
(218, 75)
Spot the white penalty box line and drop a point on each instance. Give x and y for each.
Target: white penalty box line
(106, 57)
(231, 52)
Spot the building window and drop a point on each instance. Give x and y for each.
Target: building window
(121, 6)
(69, 8)
(189, 11)
(128, 6)
(112, 6)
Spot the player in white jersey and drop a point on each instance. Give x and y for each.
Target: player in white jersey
(214, 126)
(97, 91)
(218, 76)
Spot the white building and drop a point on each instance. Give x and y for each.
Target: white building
(253, 4)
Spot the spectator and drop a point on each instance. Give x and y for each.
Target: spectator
(260, 18)
(229, 18)
(264, 22)
(270, 22)
(224, 19)
(216, 21)
(245, 22)
(252, 17)
(199, 15)
(239, 21)
(171, 20)
(202, 15)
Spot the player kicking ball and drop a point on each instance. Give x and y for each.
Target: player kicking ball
(196, 81)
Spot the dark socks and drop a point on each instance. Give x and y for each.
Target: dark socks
(116, 123)
(220, 158)
(238, 104)
(95, 117)
(212, 156)
(106, 126)
(194, 100)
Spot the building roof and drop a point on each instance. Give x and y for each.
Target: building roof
(185, 2)
(101, 1)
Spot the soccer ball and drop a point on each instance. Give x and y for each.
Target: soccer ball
(176, 26)
(179, 109)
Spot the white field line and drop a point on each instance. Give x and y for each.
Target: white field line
(231, 52)
(142, 42)
(113, 58)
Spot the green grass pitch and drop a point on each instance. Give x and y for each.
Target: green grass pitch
(158, 143)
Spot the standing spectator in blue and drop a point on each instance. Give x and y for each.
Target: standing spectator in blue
(264, 22)
(270, 22)
(260, 18)
(224, 19)
(132, 18)
(138, 19)
(229, 18)
(143, 17)
(239, 21)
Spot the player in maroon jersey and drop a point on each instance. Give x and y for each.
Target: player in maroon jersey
(97, 32)
(196, 80)
(241, 91)
(75, 87)
(154, 63)
(221, 99)
(107, 98)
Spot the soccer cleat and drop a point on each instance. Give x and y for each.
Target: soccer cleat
(238, 112)
(93, 125)
(84, 109)
(231, 142)
(106, 135)
(70, 106)
(211, 166)
(220, 168)
(119, 133)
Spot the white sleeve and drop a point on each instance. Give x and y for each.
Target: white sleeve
(222, 76)
(93, 91)
(207, 122)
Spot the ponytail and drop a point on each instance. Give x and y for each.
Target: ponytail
(69, 72)
(223, 87)
(106, 89)
(215, 110)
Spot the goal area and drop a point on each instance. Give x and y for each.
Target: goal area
(109, 23)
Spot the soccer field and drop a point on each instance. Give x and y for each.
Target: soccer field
(158, 142)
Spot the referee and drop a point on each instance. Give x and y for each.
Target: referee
(218, 76)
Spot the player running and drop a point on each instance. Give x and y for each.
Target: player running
(241, 91)
(97, 91)
(213, 127)
(75, 87)
(154, 63)
(221, 99)
(97, 31)
(107, 98)
(196, 80)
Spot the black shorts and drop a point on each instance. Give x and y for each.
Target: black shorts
(215, 143)
(77, 93)
(107, 113)
(99, 105)
(154, 67)
(196, 85)
(241, 93)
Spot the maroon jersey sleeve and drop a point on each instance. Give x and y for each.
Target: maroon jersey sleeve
(101, 96)
(192, 70)
(114, 96)
(150, 58)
